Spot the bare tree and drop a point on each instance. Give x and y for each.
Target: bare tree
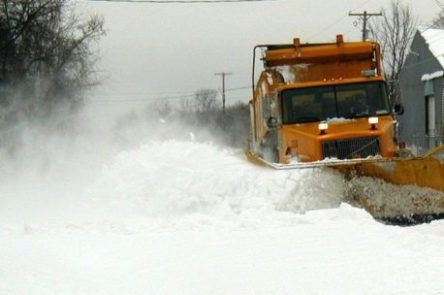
(45, 49)
(394, 31)
(187, 105)
(438, 21)
(163, 108)
(206, 100)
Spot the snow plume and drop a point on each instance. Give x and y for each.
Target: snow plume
(184, 179)
(134, 162)
(49, 161)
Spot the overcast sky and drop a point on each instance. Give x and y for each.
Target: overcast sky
(153, 51)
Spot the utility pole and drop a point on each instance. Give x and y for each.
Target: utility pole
(365, 16)
(223, 74)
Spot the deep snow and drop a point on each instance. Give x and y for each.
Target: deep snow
(122, 211)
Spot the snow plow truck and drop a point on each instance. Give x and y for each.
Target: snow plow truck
(327, 105)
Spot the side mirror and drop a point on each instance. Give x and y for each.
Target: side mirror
(398, 108)
(272, 123)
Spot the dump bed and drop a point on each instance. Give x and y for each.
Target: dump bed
(327, 61)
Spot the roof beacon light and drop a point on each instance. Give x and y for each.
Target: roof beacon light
(373, 121)
(323, 126)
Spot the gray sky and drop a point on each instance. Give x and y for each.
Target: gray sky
(153, 51)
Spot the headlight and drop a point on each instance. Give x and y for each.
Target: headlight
(373, 121)
(323, 126)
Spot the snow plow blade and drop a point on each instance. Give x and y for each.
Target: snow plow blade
(254, 158)
(400, 190)
(396, 191)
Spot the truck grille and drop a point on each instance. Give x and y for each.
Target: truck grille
(351, 148)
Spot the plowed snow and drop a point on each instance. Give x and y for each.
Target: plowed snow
(176, 216)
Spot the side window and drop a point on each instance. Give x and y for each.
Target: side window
(266, 110)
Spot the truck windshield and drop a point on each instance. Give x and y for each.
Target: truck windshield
(321, 103)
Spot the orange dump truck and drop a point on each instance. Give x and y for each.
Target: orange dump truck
(321, 101)
(327, 105)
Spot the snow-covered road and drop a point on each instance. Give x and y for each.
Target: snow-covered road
(185, 217)
(340, 251)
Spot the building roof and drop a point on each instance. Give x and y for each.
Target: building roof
(435, 40)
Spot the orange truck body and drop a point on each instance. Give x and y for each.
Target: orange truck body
(319, 101)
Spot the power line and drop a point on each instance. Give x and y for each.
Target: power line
(336, 21)
(141, 97)
(181, 1)
(173, 94)
(237, 88)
